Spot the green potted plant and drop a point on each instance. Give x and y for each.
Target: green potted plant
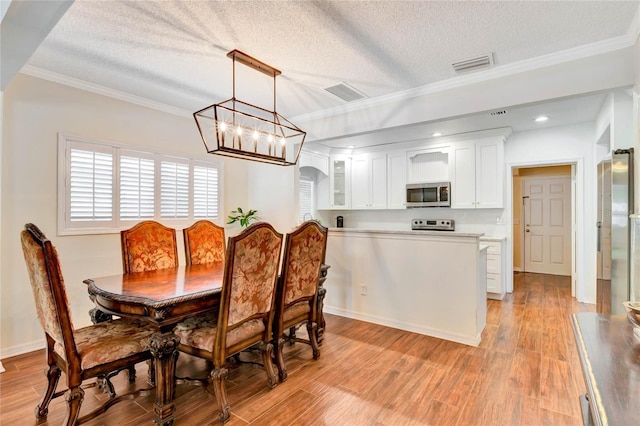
(245, 218)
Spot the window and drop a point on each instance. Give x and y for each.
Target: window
(103, 187)
(306, 197)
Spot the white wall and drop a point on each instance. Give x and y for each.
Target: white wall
(34, 112)
(563, 145)
(273, 192)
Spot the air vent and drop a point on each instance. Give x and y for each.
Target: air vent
(497, 113)
(345, 92)
(485, 61)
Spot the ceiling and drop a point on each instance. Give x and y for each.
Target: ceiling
(174, 52)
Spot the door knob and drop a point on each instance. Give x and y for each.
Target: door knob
(527, 230)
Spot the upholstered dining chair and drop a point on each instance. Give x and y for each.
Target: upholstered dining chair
(148, 246)
(245, 316)
(100, 350)
(297, 290)
(203, 243)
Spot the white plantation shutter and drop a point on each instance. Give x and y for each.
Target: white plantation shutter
(105, 187)
(90, 184)
(137, 186)
(306, 197)
(205, 192)
(174, 189)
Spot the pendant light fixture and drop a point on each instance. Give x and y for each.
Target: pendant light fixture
(238, 129)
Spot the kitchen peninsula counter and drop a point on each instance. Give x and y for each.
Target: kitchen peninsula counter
(428, 282)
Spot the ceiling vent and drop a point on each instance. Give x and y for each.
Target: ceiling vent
(346, 92)
(497, 113)
(481, 62)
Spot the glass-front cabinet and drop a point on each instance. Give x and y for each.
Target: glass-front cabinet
(340, 182)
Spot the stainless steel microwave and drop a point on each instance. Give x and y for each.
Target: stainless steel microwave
(432, 194)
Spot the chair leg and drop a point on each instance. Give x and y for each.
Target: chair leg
(292, 335)
(311, 328)
(74, 397)
(131, 372)
(219, 376)
(282, 369)
(267, 355)
(53, 375)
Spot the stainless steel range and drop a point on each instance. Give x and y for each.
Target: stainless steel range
(432, 225)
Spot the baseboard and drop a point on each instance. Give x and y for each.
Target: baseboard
(22, 349)
(517, 269)
(1, 367)
(415, 328)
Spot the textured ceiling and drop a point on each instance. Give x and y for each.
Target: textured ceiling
(174, 52)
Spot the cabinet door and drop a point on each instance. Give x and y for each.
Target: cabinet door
(360, 182)
(340, 182)
(463, 176)
(489, 174)
(378, 172)
(369, 181)
(428, 164)
(397, 180)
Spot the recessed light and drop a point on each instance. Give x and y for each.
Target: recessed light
(436, 134)
(542, 118)
(351, 146)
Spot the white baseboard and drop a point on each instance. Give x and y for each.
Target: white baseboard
(416, 328)
(518, 269)
(1, 367)
(22, 349)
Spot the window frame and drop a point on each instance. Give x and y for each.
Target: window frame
(66, 142)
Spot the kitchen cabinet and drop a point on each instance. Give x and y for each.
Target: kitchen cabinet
(496, 273)
(477, 171)
(428, 164)
(396, 180)
(340, 182)
(369, 181)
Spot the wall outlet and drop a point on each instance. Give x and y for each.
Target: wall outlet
(363, 290)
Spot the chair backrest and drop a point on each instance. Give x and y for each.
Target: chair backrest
(248, 289)
(148, 246)
(203, 243)
(49, 293)
(304, 253)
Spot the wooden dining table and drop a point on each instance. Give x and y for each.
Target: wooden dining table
(162, 298)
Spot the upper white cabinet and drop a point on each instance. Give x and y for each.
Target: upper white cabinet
(477, 174)
(428, 164)
(396, 180)
(340, 182)
(369, 181)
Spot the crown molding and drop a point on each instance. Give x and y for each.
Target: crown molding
(581, 52)
(101, 90)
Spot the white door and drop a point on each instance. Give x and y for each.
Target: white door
(547, 220)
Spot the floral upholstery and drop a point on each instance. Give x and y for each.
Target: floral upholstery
(204, 243)
(296, 310)
(306, 253)
(200, 332)
(109, 341)
(255, 267)
(40, 284)
(149, 246)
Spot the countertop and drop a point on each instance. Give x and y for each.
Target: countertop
(492, 238)
(396, 232)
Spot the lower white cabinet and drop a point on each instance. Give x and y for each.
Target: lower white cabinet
(496, 273)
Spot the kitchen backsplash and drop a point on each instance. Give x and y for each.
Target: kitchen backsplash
(487, 221)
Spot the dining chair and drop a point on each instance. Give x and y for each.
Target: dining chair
(100, 350)
(203, 243)
(148, 246)
(297, 289)
(245, 315)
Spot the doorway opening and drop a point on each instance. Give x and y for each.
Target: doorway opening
(543, 210)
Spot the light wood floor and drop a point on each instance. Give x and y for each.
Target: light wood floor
(525, 372)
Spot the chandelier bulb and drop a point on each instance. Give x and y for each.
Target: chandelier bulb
(255, 135)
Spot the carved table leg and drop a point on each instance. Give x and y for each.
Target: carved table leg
(98, 316)
(164, 348)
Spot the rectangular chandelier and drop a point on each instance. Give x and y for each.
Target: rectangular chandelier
(238, 129)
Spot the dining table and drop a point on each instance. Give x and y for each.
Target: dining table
(162, 298)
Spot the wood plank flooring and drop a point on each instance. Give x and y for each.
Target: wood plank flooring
(526, 371)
